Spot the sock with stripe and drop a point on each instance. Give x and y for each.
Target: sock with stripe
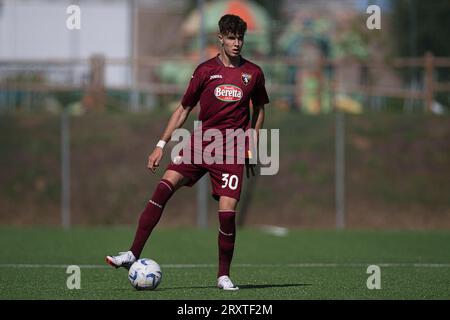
(227, 235)
(151, 215)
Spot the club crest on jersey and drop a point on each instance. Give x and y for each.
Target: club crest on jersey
(228, 93)
(246, 78)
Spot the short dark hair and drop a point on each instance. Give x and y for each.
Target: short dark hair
(233, 24)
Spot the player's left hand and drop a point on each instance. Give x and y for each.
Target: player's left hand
(249, 168)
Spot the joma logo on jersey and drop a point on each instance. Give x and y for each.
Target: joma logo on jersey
(228, 92)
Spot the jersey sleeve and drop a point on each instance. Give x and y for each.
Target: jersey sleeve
(194, 89)
(259, 95)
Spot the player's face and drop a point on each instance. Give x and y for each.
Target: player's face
(232, 44)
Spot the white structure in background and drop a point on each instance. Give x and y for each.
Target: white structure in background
(36, 29)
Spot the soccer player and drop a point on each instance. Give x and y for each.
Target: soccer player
(224, 86)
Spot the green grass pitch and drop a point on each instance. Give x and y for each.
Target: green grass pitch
(304, 264)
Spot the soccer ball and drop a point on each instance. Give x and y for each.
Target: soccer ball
(145, 274)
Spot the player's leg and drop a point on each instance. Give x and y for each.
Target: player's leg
(169, 183)
(227, 234)
(226, 183)
(226, 239)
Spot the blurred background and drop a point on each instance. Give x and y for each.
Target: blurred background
(363, 114)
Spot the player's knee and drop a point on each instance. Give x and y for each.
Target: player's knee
(175, 178)
(227, 204)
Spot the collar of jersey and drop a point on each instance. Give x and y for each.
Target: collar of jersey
(222, 65)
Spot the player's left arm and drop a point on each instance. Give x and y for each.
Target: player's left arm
(258, 119)
(257, 124)
(259, 99)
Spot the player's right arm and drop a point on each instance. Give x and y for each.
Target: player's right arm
(176, 121)
(179, 116)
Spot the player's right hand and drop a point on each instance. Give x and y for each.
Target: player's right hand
(154, 158)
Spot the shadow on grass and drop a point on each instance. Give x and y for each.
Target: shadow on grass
(244, 287)
(263, 286)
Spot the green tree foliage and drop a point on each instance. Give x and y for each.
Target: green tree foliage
(420, 26)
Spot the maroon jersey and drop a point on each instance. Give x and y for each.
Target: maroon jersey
(225, 93)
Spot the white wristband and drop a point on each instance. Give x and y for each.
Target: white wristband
(161, 144)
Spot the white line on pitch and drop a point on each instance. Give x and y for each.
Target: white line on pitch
(245, 265)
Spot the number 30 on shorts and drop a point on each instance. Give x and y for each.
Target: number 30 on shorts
(230, 181)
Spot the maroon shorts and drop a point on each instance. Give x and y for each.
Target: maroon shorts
(226, 179)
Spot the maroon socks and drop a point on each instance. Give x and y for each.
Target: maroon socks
(151, 215)
(227, 235)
